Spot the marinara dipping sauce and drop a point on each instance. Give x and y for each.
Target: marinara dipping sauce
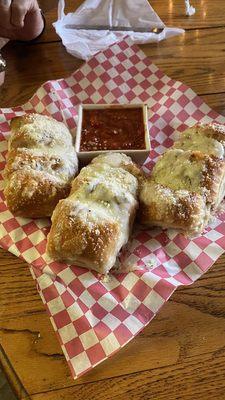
(112, 129)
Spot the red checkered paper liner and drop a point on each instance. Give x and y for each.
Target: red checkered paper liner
(95, 317)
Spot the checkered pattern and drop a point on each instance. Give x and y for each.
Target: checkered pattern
(94, 318)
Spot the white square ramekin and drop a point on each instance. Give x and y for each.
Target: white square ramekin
(139, 156)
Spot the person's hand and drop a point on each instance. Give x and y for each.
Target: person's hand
(20, 19)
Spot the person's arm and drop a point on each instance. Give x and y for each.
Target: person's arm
(20, 19)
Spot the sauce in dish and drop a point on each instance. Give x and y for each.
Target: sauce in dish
(112, 129)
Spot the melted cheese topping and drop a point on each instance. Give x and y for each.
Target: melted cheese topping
(42, 146)
(113, 188)
(101, 195)
(177, 170)
(187, 182)
(51, 164)
(112, 159)
(40, 131)
(194, 139)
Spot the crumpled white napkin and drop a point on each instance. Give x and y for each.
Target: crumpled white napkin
(128, 13)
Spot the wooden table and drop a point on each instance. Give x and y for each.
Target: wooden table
(181, 354)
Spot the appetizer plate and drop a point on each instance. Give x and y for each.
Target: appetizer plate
(94, 147)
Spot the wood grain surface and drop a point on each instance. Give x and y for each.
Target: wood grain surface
(181, 354)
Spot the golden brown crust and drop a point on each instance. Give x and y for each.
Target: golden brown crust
(93, 242)
(40, 165)
(18, 139)
(213, 130)
(20, 158)
(161, 206)
(212, 178)
(185, 186)
(213, 171)
(135, 170)
(42, 202)
(94, 222)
